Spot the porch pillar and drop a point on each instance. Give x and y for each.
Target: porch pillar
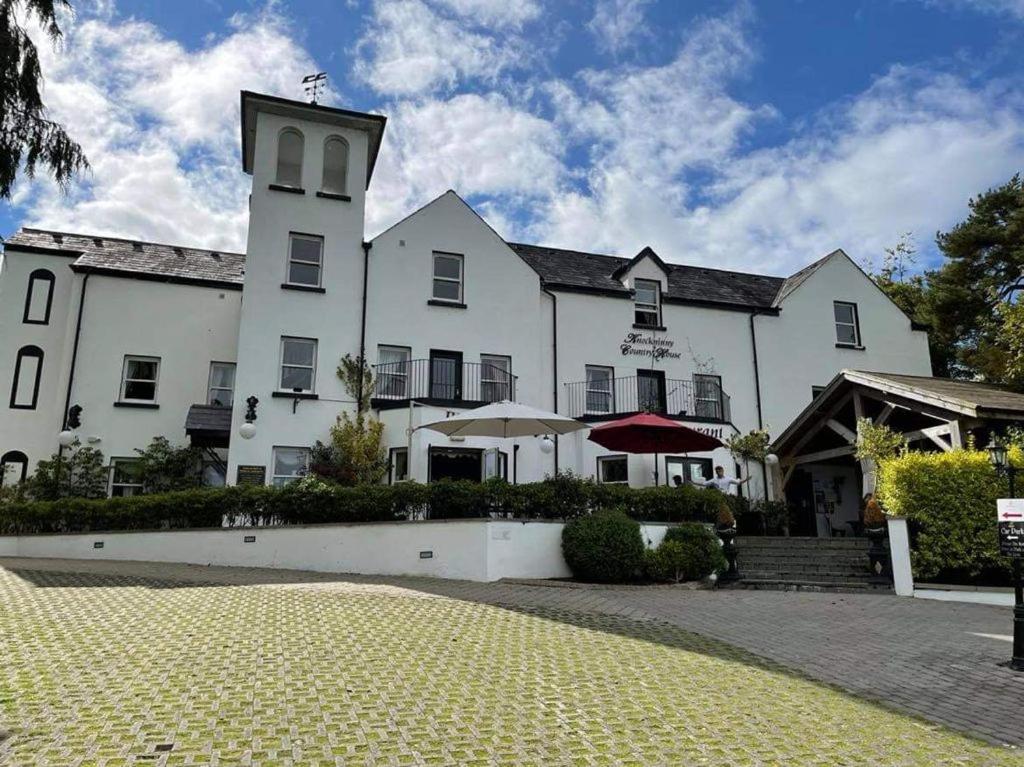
(899, 552)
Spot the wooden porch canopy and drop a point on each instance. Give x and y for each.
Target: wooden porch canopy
(932, 413)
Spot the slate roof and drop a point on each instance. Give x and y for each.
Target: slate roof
(572, 269)
(148, 260)
(975, 395)
(208, 418)
(796, 279)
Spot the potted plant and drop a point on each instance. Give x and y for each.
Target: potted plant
(874, 529)
(725, 526)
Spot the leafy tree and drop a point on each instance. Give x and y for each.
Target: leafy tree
(78, 472)
(26, 136)
(163, 468)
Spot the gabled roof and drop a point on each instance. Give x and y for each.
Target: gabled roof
(573, 270)
(797, 279)
(647, 252)
(135, 258)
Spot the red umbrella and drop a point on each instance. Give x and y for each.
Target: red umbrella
(649, 433)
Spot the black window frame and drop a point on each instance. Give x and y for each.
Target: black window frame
(13, 457)
(27, 351)
(43, 275)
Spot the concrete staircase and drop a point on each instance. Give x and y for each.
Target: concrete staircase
(808, 564)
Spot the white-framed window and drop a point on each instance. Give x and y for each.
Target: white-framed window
(139, 378)
(847, 323)
(305, 259)
(600, 389)
(399, 464)
(290, 464)
(393, 371)
(647, 303)
(448, 274)
(495, 377)
(125, 479)
(290, 146)
(613, 470)
(707, 395)
(28, 373)
(298, 364)
(221, 388)
(335, 165)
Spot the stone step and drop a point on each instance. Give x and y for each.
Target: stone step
(803, 556)
(850, 587)
(749, 574)
(824, 544)
(841, 572)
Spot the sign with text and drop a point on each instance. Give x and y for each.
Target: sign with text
(1010, 517)
(251, 475)
(648, 345)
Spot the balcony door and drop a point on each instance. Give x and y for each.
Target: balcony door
(445, 375)
(651, 390)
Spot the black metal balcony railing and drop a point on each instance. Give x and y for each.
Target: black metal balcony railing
(698, 399)
(442, 379)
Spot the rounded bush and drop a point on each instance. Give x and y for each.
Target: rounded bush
(688, 552)
(605, 547)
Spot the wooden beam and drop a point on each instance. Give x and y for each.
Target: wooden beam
(882, 417)
(841, 430)
(787, 474)
(956, 437)
(824, 455)
(816, 427)
(932, 433)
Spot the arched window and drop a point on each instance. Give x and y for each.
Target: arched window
(335, 165)
(27, 371)
(39, 297)
(13, 467)
(289, 158)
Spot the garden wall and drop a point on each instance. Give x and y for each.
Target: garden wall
(468, 549)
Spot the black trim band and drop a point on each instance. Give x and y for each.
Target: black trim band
(448, 304)
(303, 288)
(333, 196)
(138, 405)
(289, 189)
(294, 395)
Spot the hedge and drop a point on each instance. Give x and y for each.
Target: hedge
(317, 503)
(949, 500)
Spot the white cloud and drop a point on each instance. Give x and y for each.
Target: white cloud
(1001, 7)
(495, 13)
(616, 24)
(410, 48)
(159, 124)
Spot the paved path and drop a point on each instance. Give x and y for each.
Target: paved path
(939, 661)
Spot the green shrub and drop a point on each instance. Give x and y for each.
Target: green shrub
(605, 547)
(688, 552)
(950, 501)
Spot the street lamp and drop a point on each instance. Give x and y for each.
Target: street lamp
(997, 454)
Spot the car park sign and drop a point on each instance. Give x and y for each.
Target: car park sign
(1010, 517)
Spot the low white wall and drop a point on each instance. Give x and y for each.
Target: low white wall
(475, 550)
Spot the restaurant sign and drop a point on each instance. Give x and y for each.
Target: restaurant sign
(647, 345)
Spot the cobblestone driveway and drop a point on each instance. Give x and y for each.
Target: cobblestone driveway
(113, 664)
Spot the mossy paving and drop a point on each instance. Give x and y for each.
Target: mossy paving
(104, 670)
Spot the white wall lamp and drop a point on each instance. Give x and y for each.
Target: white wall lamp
(248, 429)
(547, 445)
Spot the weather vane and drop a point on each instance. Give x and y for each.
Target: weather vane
(312, 85)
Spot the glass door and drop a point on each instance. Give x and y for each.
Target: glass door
(651, 390)
(445, 375)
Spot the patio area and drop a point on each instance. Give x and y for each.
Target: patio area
(133, 663)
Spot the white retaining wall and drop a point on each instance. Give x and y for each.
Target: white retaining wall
(472, 549)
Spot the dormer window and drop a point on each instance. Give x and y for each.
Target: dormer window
(647, 303)
(335, 166)
(289, 158)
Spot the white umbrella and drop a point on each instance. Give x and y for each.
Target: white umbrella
(505, 419)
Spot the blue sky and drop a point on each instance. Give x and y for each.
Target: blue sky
(742, 134)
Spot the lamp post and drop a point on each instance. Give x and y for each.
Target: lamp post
(997, 454)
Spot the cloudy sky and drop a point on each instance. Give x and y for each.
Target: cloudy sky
(745, 134)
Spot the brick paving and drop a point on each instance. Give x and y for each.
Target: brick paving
(137, 663)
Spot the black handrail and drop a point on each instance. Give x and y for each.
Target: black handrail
(443, 379)
(699, 399)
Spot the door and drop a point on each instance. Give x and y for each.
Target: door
(445, 375)
(650, 391)
(689, 470)
(455, 464)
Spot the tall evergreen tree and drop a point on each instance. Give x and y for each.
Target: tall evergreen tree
(27, 138)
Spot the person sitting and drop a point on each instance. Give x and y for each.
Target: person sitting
(677, 480)
(721, 482)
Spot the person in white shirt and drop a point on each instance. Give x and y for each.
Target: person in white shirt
(721, 482)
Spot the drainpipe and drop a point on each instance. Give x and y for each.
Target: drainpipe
(554, 360)
(74, 359)
(757, 393)
(362, 323)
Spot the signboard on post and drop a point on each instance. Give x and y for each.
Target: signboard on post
(1010, 517)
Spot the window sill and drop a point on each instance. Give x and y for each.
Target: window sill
(289, 189)
(852, 347)
(294, 395)
(139, 405)
(333, 196)
(448, 304)
(303, 288)
(638, 326)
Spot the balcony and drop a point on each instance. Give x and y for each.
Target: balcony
(699, 399)
(441, 380)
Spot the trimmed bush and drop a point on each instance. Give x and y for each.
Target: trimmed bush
(605, 547)
(687, 553)
(950, 501)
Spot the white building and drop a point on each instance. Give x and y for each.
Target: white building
(155, 339)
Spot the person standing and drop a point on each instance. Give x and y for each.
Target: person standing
(721, 482)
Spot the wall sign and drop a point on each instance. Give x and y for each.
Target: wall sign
(1010, 517)
(637, 344)
(251, 475)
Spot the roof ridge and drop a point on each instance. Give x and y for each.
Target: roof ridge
(126, 239)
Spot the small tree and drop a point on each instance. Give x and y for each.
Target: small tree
(752, 446)
(877, 442)
(163, 468)
(78, 472)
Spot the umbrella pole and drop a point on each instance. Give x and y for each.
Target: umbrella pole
(656, 482)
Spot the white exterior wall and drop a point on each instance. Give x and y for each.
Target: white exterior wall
(34, 432)
(270, 311)
(797, 349)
